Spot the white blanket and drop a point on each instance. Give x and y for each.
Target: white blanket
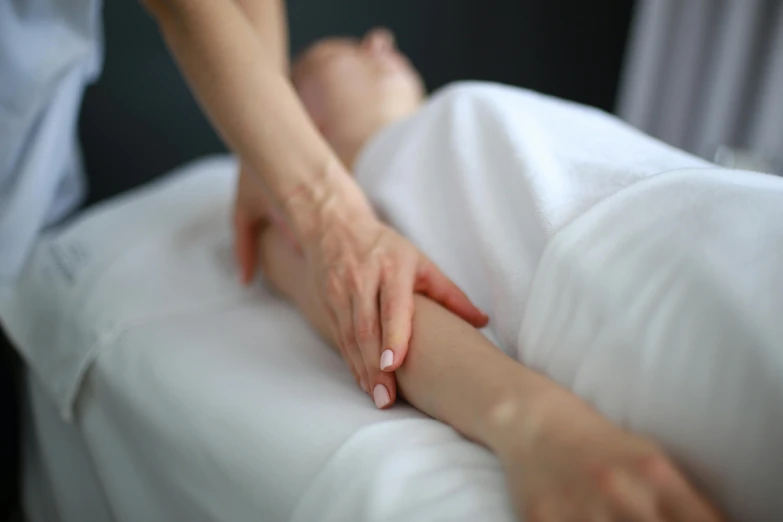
(631, 272)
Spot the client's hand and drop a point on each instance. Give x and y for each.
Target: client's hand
(575, 466)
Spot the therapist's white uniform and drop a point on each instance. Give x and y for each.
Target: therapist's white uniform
(49, 51)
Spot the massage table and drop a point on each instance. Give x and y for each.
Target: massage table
(158, 388)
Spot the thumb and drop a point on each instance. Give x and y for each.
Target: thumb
(431, 282)
(245, 246)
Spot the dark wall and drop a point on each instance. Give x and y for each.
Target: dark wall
(139, 120)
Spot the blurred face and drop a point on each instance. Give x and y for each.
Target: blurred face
(352, 88)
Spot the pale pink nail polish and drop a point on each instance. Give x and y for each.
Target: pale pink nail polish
(380, 395)
(387, 359)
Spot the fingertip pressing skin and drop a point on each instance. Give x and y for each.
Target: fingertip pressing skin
(381, 396)
(397, 309)
(483, 319)
(385, 383)
(393, 356)
(387, 359)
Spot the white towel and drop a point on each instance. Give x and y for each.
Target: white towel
(485, 175)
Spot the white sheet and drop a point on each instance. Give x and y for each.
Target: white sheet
(224, 406)
(671, 325)
(59, 482)
(230, 408)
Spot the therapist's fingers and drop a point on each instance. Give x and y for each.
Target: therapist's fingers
(431, 282)
(341, 349)
(245, 246)
(349, 346)
(681, 502)
(368, 334)
(396, 317)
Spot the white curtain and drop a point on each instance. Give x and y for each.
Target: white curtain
(707, 76)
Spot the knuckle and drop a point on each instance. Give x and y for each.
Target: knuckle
(607, 478)
(656, 466)
(355, 283)
(389, 265)
(349, 339)
(366, 331)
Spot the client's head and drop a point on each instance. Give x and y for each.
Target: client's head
(353, 88)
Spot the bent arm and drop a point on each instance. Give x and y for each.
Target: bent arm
(233, 57)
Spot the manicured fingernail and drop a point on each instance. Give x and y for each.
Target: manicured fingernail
(380, 395)
(387, 359)
(364, 386)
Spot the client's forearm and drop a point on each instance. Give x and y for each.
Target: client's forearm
(452, 372)
(562, 461)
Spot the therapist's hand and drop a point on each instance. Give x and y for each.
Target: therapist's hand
(366, 275)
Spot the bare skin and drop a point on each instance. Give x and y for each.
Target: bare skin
(564, 462)
(385, 87)
(233, 53)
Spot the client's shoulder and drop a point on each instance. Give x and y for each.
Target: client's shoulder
(508, 98)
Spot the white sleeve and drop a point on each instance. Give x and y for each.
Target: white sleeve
(49, 52)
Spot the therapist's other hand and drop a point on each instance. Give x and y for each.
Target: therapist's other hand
(366, 275)
(569, 464)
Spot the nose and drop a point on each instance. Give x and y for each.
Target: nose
(378, 40)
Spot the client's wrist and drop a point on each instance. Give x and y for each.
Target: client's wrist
(515, 425)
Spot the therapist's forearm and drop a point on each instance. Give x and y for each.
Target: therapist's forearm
(239, 83)
(269, 20)
(451, 372)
